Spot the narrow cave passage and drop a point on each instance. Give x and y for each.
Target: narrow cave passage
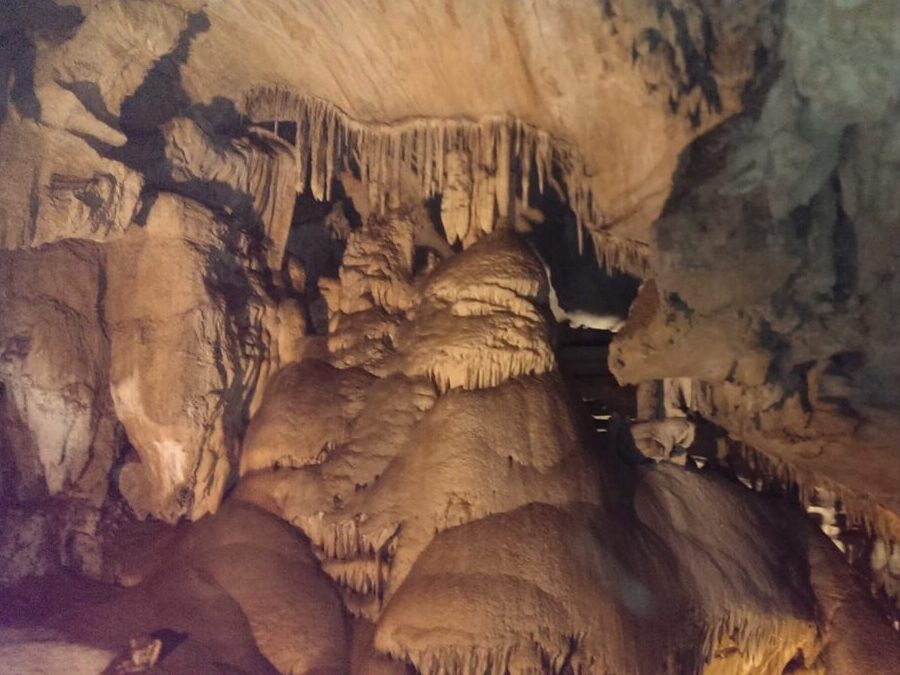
(589, 303)
(587, 295)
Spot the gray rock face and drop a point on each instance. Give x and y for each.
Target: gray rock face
(776, 259)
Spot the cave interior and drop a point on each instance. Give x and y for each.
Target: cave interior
(454, 338)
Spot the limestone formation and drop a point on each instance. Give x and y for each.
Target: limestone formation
(306, 413)
(250, 176)
(48, 652)
(68, 190)
(791, 248)
(314, 355)
(185, 356)
(58, 425)
(657, 439)
(476, 325)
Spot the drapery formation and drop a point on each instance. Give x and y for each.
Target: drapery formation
(485, 169)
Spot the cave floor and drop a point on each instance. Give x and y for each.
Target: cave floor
(202, 630)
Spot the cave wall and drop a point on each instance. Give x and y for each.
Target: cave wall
(113, 104)
(776, 255)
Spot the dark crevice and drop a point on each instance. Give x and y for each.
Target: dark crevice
(287, 131)
(580, 282)
(777, 345)
(677, 303)
(320, 253)
(161, 96)
(845, 251)
(17, 61)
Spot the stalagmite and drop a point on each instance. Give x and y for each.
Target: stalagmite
(272, 439)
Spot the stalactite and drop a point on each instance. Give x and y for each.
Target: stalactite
(762, 641)
(621, 254)
(502, 153)
(767, 471)
(344, 540)
(761, 472)
(360, 575)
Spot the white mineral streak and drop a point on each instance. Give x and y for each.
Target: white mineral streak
(479, 166)
(577, 318)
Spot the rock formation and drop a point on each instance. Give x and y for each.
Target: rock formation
(314, 355)
(790, 248)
